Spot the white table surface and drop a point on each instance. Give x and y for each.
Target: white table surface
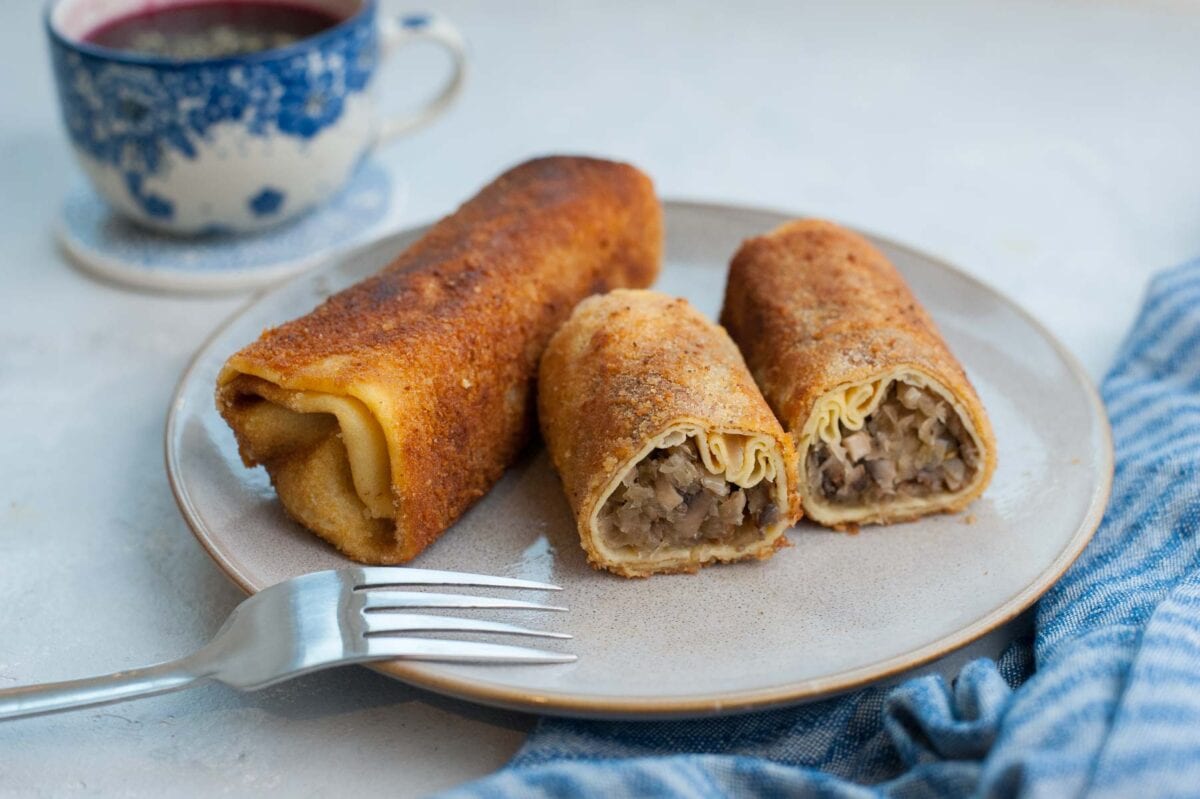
(1050, 149)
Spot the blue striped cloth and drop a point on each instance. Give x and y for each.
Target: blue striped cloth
(1104, 701)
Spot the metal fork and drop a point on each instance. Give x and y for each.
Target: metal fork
(323, 619)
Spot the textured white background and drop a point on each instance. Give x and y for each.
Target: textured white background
(1050, 149)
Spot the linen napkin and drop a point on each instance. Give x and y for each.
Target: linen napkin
(1104, 701)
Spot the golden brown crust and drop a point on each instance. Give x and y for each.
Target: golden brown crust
(443, 343)
(813, 307)
(632, 571)
(628, 366)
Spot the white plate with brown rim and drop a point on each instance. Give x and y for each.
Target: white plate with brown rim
(832, 612)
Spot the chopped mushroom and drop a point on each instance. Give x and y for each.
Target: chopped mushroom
(671, 499)
(913, 444)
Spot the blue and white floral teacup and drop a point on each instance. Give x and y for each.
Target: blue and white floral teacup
(238, 143)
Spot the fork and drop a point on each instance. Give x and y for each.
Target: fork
(319, 620)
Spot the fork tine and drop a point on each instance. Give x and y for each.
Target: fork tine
(383, 576)
(373, 600)
(384, 622)
(459, 651)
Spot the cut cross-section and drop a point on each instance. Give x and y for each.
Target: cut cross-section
(671, 499)
(888, 450)
(912, 445)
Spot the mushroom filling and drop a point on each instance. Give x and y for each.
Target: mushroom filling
(671, 500)
(912, 445)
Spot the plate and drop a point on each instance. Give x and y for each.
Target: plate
(831, 613)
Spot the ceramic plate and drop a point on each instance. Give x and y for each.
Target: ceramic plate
(832, 612)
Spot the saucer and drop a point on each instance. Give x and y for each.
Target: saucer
(102, 242)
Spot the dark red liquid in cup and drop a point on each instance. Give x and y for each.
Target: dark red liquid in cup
(211, 30)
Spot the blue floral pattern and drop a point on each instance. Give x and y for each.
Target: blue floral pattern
(152, 204)
(106, 242)
(129, 111)
(266, 202)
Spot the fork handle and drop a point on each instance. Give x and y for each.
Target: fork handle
(37, 700)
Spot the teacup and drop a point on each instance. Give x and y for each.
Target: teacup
(233, 143)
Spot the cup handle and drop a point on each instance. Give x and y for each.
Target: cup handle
(395, 32)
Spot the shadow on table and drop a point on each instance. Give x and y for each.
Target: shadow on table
(354, 689)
